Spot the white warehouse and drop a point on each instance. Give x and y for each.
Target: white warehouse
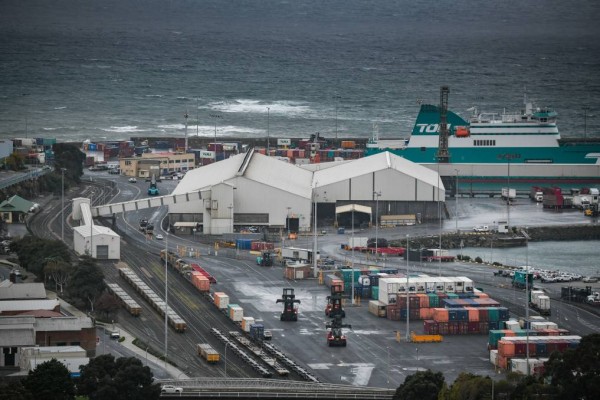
(95, 240)
(253, 189)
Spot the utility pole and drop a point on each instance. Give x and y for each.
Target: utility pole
(377, 195)
(268, 132)
(407, 293)
(216, 117)
(166, 294)
(62, 211)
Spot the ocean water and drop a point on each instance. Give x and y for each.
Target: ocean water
(112, 69)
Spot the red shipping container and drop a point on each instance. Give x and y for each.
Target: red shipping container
(484, 314)
(474, 327)
(520, 348)
(443, 328)
(452, 328)
(415, 313)
(431, 327)
(463, 327)
(484, 327)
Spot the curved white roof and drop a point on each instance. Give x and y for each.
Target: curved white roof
(299, 180)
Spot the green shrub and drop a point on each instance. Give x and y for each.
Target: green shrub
(478, 260)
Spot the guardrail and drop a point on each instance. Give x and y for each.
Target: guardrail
(21, 177)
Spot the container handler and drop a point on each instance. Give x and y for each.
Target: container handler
(335, 335)
(334, 302)
(519, 280)
(153, 189)
(265, 260)
(290, 311)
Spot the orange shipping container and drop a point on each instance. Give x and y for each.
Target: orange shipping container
(440, 315)
(221, 300)
(423, 301)
(426, 313)
(473, 314)
(506, 348)
(202, 283)
(503, 361)
(482, 295)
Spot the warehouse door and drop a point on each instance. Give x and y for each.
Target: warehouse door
(102, 252)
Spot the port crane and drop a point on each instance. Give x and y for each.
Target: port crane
(335, 335)
(334, 302)
(290, 311)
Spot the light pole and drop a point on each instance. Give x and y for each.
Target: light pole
(388, 366)
(440, 221)
(377, 195)
(91, 226)
(585, 110)
(62, 211)
(352, 277)
(336, 98)
(527, 297)
(315, 273)
(268, 133)
(407, 292)
(216, 117)
(166, 293)
(456, 200)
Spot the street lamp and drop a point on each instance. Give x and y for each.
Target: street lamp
(336, 98)
(315, 272)
(407, 292)
(226, 344)
(377, 195)
(62, 217)
(352, 277)
(166, 292)
(91, 226)
(268, 133)
(440, 221)
(216, 117)
(527, 296)
(456, 200)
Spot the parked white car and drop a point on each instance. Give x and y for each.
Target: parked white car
(171, 389)
(133, 180)
(481, 228)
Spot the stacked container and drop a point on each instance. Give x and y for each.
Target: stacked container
(235, 312)
(221, 300)
(539, 347)
(200, 281)
(463, 321)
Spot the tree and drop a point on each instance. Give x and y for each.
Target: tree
(469, 387)
(34, 253)
(576, 372)
(14, 390)
(69, 157)
(126, 378)
(107, 304)
(50, 380)
(423, 385)
(59, 271)
(87, 283)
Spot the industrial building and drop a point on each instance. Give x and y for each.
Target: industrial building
(251, 189)
(164, 163)
(96, 241)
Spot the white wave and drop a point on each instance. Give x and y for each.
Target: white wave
(173, 127)
(209, 130)
(49, 129)
(122, 129)
(289, 108)
(154, 95)
(60, 108)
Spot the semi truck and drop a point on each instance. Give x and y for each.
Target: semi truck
(540, 302)
(519, 280)
(298, 254)
(509, 193)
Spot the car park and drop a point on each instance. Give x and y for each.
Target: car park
(171, 389)
(132, 180)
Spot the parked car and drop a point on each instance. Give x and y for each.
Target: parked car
(481, 228)
(171, 389)
(132, 180)
(158, 236)
(590, 279)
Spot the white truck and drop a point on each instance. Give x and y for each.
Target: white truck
(298, 254)
(540, 302)
(509, 193)
(594, 299)
(357, 242)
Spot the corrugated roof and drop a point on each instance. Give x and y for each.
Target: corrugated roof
(266, 170)
(370, 164)
(209, 175)
(16, 203)
(17, 291)
(26, 305)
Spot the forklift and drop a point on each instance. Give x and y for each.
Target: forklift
(334, 303)
(335, 335)
(265, 260)
(290, 311)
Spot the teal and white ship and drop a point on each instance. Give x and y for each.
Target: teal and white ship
(522, 146)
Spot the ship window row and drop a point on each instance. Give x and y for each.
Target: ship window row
(479, 142)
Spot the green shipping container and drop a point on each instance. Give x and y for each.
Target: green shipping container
(434, 300)
(493, 314)
(375, 292)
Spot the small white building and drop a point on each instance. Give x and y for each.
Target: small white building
(97, 241)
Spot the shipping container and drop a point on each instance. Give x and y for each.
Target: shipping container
(207, 352)
(247, 322)
(221, 300)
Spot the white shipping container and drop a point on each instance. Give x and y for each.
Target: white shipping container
(236, 314)
(543, 303)
(513, 325)
(388, 287)
(357, 241)
(520, 364)
(536, 326)
(246, 323)
(494, 357)
(551, 325)
(535, 294)
(223, 300)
